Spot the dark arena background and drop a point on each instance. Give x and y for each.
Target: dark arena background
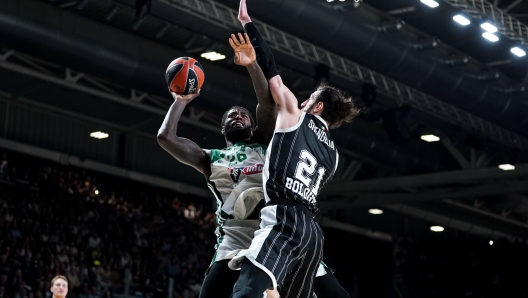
(430, 196)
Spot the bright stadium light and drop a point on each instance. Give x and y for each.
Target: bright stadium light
(507, 167)
(489, 27)
(490, 36)
(461, 20)
(213, 56)
(430, 3)
(99, 135)
(375, 211)
(96, 192)
(518, 51)
(430, 138)
(491, 242)
(437, 228)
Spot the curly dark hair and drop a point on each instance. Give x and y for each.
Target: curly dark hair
(224, 117)
(338, 107)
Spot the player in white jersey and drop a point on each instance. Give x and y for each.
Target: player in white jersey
(234, 175)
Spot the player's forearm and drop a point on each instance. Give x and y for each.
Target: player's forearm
(260, 83)
(265, 58)
(169, 127)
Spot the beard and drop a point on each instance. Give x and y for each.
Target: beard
(236, 134)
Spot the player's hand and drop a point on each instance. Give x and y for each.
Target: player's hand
(243, 15)
(185, 98)
(244, 51)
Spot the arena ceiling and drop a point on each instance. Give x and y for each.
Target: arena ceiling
(98, 62)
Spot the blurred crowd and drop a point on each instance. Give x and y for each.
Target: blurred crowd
(462, 267)
(107, 235)
(104, 234)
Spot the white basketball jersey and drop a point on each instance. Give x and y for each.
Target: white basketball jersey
(236, 179)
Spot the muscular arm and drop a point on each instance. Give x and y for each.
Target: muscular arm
(266, 108)
(184, 150)
(286, 103)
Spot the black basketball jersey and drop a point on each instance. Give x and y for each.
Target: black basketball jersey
(300, 161)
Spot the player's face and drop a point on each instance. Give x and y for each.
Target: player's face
(308, 104)
(237, 125)
(60, 288)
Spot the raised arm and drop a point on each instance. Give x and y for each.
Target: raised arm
(184, 150)
(266, 109)
(286, 102)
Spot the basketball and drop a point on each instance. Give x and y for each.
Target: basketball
(184, 75)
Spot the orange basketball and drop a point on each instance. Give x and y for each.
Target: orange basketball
(184, 75)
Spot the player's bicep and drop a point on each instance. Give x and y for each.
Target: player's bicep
(187, 152)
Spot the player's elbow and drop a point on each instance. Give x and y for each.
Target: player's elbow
(275, 84)
(163, 138)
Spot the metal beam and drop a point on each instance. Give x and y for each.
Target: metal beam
(62, 81)
(283, 42)
(459, 157)
(434, 179)
(485, 213)
(104, 168)
(513, 5)
(447, 221)
(380, 199)
(507, 25)
(327, 222)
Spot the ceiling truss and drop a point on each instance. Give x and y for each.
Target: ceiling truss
(278, 40)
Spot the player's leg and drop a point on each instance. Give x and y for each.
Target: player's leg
(327, 286)
(300, 281)
(272, 249)
(252, 282)
(219, 281)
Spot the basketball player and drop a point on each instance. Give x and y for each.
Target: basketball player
(59, 286)
(234, 175)
(302, 158)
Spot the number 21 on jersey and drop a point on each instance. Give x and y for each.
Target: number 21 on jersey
(307, 177)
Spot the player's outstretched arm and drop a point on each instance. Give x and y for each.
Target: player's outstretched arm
(287, 105)
(184, 150)
(266, 108)
(288, 112)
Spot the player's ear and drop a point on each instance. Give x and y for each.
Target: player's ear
(223, 130)
(318, 107)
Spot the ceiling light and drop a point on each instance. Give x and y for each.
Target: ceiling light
(437, 228)
(507, 167)
(491, 242)
(99, 135)
(329, 0)
(375, 211)
(430, 3)
(518, 51)
(488, 27)
(461, 20)
(96, 192)
(490, 36)
(213, 56)
(430, 138)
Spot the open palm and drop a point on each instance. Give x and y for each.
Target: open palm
(244, 52)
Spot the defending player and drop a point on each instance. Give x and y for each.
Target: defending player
(301, 160)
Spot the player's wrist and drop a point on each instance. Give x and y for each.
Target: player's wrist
(252, 65)
(245, 21)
